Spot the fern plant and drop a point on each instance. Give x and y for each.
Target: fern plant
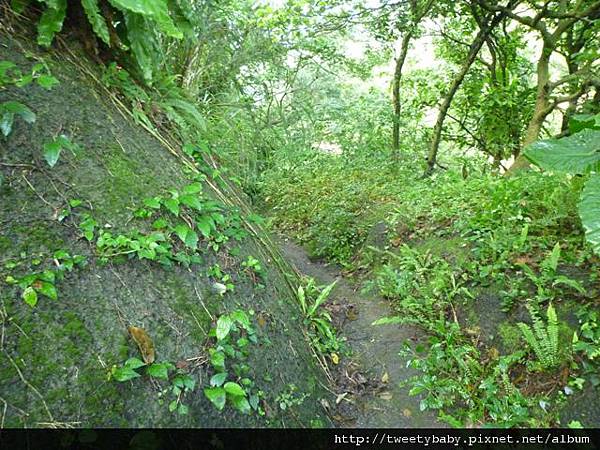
(542, 337)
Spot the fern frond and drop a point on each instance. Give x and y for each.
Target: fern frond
(542, 336)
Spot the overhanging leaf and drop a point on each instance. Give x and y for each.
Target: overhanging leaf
(51, 21)
(578, 153)
(142, 42)
(20, 109)
(92, 11)
(157, 10)
(589, 211)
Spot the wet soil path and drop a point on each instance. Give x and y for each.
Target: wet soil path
(375, 360)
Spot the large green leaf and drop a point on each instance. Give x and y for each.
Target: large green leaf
(142, 42)
(8, 111)
(217, 396)
(157, 10)
(589, 211)
(92, 11)
(578, 153)
(582, 121)
(51, 21)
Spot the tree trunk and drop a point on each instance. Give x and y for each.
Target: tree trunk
(458, 79)
(542, 108)
(396, 92)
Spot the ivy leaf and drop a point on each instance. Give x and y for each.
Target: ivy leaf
(193, 188)
(52, 152)
(242, 318)
(218, 379)
(6, 123)
(159, 370)
(224, 324)
(189, 382)
(47, 81)
(9, 110)
(217, 359)
(187, 236)
(30, 296)
(191, 200)
(205, 225)
(52, 149)
(153, 202)
(134, 363)
(241, 404)
(217, 396)
(172, 204)
(234, 389)
(49, 290)
(124, 374)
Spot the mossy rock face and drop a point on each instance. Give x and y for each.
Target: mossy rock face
(64, 349)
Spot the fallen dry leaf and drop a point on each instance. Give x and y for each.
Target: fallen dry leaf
(144, 343)
(262, 320)
(385, 378)
(183, 364)
(340, 398)
(406, 412)
(385, 396)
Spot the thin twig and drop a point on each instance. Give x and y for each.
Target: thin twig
(29, 385)
(36, 192)
(203, 305)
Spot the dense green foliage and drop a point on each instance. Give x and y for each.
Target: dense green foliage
(413, 192)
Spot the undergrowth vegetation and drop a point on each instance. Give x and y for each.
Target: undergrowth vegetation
(432, 247)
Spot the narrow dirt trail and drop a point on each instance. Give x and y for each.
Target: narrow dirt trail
(374, 349)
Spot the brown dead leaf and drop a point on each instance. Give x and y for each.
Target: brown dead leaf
(525, 259)
(406, 412)
(386, 395)
(144, 343)
(352, 312)
(493, 353)
(396, 242)
(262, 320)
(183, 364)
(335, 358)
(340, 398)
